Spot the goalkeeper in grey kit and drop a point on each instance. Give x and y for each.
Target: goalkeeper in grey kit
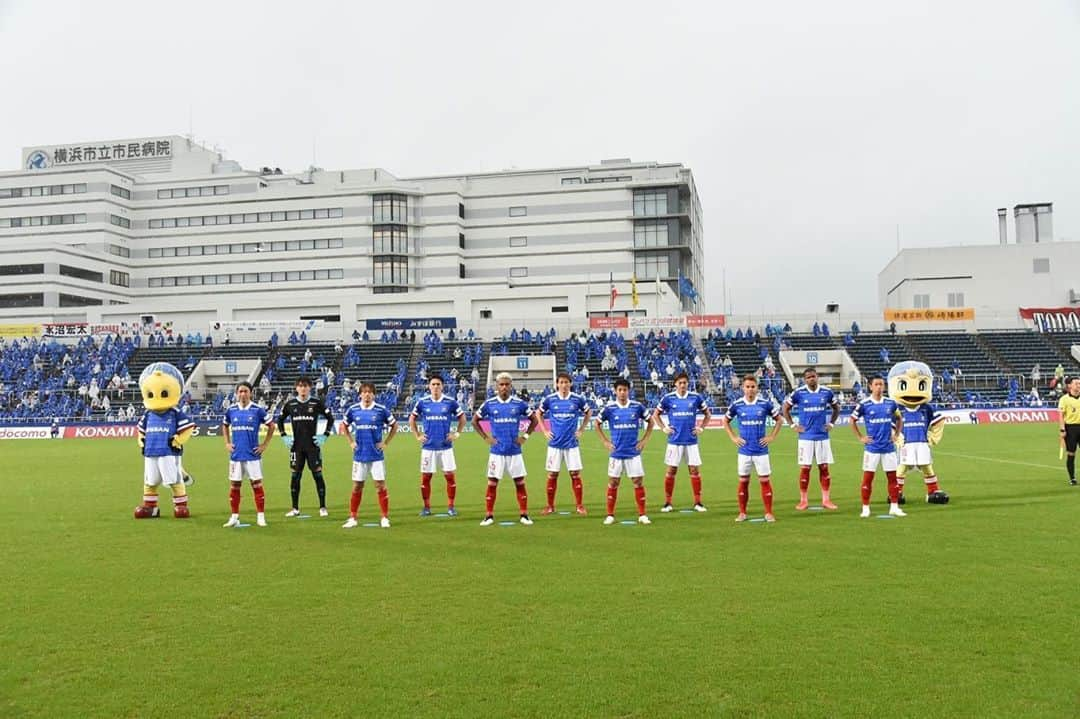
(305, 443)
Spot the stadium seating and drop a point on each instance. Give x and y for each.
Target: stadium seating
(941, 349)
(866, 352)
(1021, 350)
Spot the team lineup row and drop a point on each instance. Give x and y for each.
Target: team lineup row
(370, 427)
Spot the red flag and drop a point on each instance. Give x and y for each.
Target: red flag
(614, 292)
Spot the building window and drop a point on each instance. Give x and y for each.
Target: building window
(43, 220)
(485, 314)
(390, 271)
(1040, 265)
(519, 211)
(648, 266)
(651, 233)
(245, 218)
(120, 191)
(611, 178)
(81, 274)
(73, 189)
(519, 241)
(388, 208)
(461, 270)
(956, 299)
(120, 221)
(28, 299)
(390, 240)
(461, 240)
(78, 301)
(38, 269)
(173, 193)
(461, 210)
(650, 202)
(560, 308)
(920, 302)
(119, 251)
(571, 181)
(519, 271)
(120, 279)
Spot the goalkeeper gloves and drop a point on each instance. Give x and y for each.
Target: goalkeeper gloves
(320, 439)
(288, 440)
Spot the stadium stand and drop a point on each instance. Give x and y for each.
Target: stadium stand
(952, 350)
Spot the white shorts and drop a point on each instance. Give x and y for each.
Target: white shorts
(558, 457)
(814, 449)
(238, 471)
(870, 461)
(758, 462)
(915, 454)
(433, 460)
(675, 453)
(161, 470)
(362, 470)
(500, 464)
(631, 467)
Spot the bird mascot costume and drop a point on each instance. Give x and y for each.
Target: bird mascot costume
(163, 430)
(911, 385)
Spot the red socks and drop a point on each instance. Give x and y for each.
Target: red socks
(451, 488)
(695, 485)
(425, 489)
(639, 496)
(931, 484)
(384, 502)
(260, 498)
(522, 496)
(354, 499)
(766, 495)
(489, 498)
(804, 479)
(868, 485)
(575, 484)
(612, 497)
(744, 493)
(552, 485)
(234, 499)
(669, 485)
(823, 475)
(894, 488)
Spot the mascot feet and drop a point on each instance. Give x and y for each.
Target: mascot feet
(938, 497)
(181, 511)
(145, 512)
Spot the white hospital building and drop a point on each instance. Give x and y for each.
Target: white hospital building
(112, 231)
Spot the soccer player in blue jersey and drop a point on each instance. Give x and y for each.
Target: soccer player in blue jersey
(240, 427)
(504, 412)
(438, 413)
(624, 418)
(818, 410)
(364, 424)
(682, 407)
(753, 413)
(881, 416)
(568, 414)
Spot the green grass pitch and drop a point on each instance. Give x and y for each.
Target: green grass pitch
(965, 610)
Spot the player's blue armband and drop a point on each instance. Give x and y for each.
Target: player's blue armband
(288, 440)
(320, 439)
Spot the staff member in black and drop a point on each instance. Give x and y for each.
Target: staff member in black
(305, 443)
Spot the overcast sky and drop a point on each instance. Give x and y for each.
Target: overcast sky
(814, 130)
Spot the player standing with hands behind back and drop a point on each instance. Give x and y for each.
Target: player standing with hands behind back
(241, 430)
(305, 444)
(753, 413)
(814, 403)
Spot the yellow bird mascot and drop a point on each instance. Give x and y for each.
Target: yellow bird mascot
(911, 385)
(163, 430)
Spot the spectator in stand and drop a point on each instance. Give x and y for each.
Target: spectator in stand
(817, 330)
(884, 355)
(824, 329)
(854, 329)
(849, 340)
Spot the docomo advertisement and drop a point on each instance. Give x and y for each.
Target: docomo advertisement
(24, 433)
(656, 323)
(1053, 319)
